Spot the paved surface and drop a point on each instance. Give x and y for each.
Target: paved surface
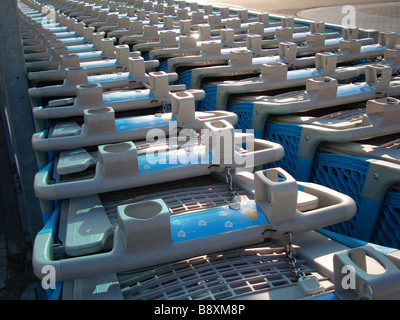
(383, 15)
(287, 7)
(379, 16)
(16, 278)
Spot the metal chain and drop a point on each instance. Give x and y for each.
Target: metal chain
(290, 257)
(201, 137)
(144, 84)
(229, 181)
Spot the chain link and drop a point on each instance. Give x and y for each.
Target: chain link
(229, 181)
(290, 257)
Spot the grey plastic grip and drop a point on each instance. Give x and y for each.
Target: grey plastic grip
(99, 125)
(276, 76)
(263, 152)
(276, 194)
(131, 250)
(319, 94)
(364, 285)
(278, 199)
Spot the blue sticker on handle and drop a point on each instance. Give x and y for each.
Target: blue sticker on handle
(80, 47)
(65, 34)
(217, 221)
(140, 122)
(353, 89)
(100, 63)
(174, 158)
(90, 54)
(127, 95)
(72, 40)
(110, 77)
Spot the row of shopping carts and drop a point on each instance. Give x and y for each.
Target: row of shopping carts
(189, 151)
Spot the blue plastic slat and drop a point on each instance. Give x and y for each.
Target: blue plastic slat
(212, 222)
(288, 136)
(186, 79)
(346, 174)
(244, 111)
(209, 102)
(387, 231)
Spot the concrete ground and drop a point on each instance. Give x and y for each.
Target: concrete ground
(288, 7)
(382, 15)
(16, 277)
